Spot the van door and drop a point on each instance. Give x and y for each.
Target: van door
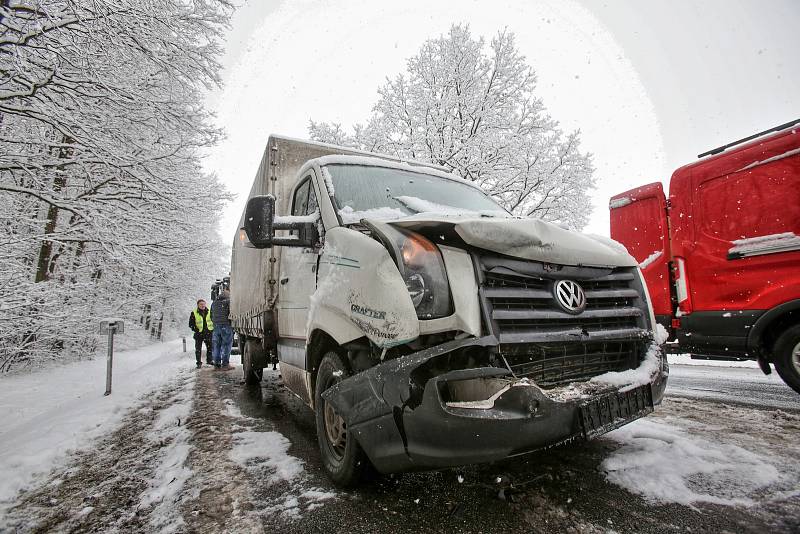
(639, 221)
(297, 280)
(747, 227)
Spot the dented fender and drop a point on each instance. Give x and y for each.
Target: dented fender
(355, 275)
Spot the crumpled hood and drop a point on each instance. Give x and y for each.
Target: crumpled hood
(531, 239)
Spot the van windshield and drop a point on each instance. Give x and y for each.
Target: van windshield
(364, 192)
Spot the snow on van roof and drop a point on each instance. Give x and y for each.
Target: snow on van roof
(373, 161)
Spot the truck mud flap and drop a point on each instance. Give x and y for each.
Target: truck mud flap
(613, 410)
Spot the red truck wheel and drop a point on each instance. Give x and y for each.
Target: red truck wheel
(787, 356)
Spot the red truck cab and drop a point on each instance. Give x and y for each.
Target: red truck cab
(721, 255)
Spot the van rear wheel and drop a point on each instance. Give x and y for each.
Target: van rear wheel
(341, 454)
(787, 356)
(252, 375)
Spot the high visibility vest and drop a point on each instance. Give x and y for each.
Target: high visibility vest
(198, 320)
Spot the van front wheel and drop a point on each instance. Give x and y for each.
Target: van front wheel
(341, 454)
(787, 356)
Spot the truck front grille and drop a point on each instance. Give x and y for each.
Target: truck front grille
(542, 341)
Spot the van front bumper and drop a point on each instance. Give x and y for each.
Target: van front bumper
(398, 412)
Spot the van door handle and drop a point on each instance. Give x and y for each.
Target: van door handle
(284, 280)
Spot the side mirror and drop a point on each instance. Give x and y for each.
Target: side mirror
(260, 225)
(258, 218)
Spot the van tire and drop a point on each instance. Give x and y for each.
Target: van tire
(252, 376)
(342, 456)
(786, 354)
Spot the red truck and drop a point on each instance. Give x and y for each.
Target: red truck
(721, 254)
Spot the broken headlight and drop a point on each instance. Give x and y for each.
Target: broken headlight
(422, 267)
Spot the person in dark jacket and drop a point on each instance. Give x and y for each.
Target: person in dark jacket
(201, 324)
(223, 332)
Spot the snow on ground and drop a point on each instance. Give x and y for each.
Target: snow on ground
(665, 463)
(265, 454)
(49, 413)
(171, 473)
(689, 452)
(686, 359)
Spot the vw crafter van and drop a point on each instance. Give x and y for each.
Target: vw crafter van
(424, 325)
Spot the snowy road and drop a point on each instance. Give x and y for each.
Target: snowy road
(735, 385)
(204, 453)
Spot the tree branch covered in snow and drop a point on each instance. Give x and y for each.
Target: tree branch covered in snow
(476, 113)
(106, 209)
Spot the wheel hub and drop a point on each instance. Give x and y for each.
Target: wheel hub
(335, 428)
(796, 358)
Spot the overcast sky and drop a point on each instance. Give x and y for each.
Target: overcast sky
(649, 84)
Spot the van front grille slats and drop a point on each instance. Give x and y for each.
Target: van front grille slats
(555, 347)
(552, 365)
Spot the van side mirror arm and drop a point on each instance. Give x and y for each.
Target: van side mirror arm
(260, 226)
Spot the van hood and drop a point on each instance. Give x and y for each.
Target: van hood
(530, 239)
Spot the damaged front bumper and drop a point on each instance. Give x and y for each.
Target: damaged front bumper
(405, 417)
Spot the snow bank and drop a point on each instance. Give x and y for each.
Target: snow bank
(49, 413)
(665, 464)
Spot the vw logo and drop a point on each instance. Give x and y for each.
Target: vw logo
(569, 296)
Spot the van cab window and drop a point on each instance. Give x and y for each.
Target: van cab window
(300, 202)
(305, 199)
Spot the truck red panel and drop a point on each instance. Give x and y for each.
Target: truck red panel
(639, 221)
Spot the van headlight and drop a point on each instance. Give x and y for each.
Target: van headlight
(422, 268)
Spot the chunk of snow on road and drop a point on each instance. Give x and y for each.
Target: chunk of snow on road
(350, 216)
(233, 411)
(268, 449)
(665, 464)
(48, 414)
(686, 359)
(650, 259)
(85, 511)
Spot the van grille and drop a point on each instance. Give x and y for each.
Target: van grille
(552, 365)
(541, 341)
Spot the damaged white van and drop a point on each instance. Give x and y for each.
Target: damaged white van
(423, 324)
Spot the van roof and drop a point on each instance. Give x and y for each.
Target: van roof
(745, 154)
(354, 151)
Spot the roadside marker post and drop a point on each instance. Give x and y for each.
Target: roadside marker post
(110, 327)
(184, 343)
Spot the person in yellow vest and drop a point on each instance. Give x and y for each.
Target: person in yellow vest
(203, 327)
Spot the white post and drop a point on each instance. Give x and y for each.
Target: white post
(110, 327)
(109, 359)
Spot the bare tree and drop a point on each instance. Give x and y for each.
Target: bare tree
(476, 112)
(106, 207)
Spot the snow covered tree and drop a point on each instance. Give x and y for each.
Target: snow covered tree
(106, 210)
(476, 112)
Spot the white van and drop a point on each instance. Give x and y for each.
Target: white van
(424, 325)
